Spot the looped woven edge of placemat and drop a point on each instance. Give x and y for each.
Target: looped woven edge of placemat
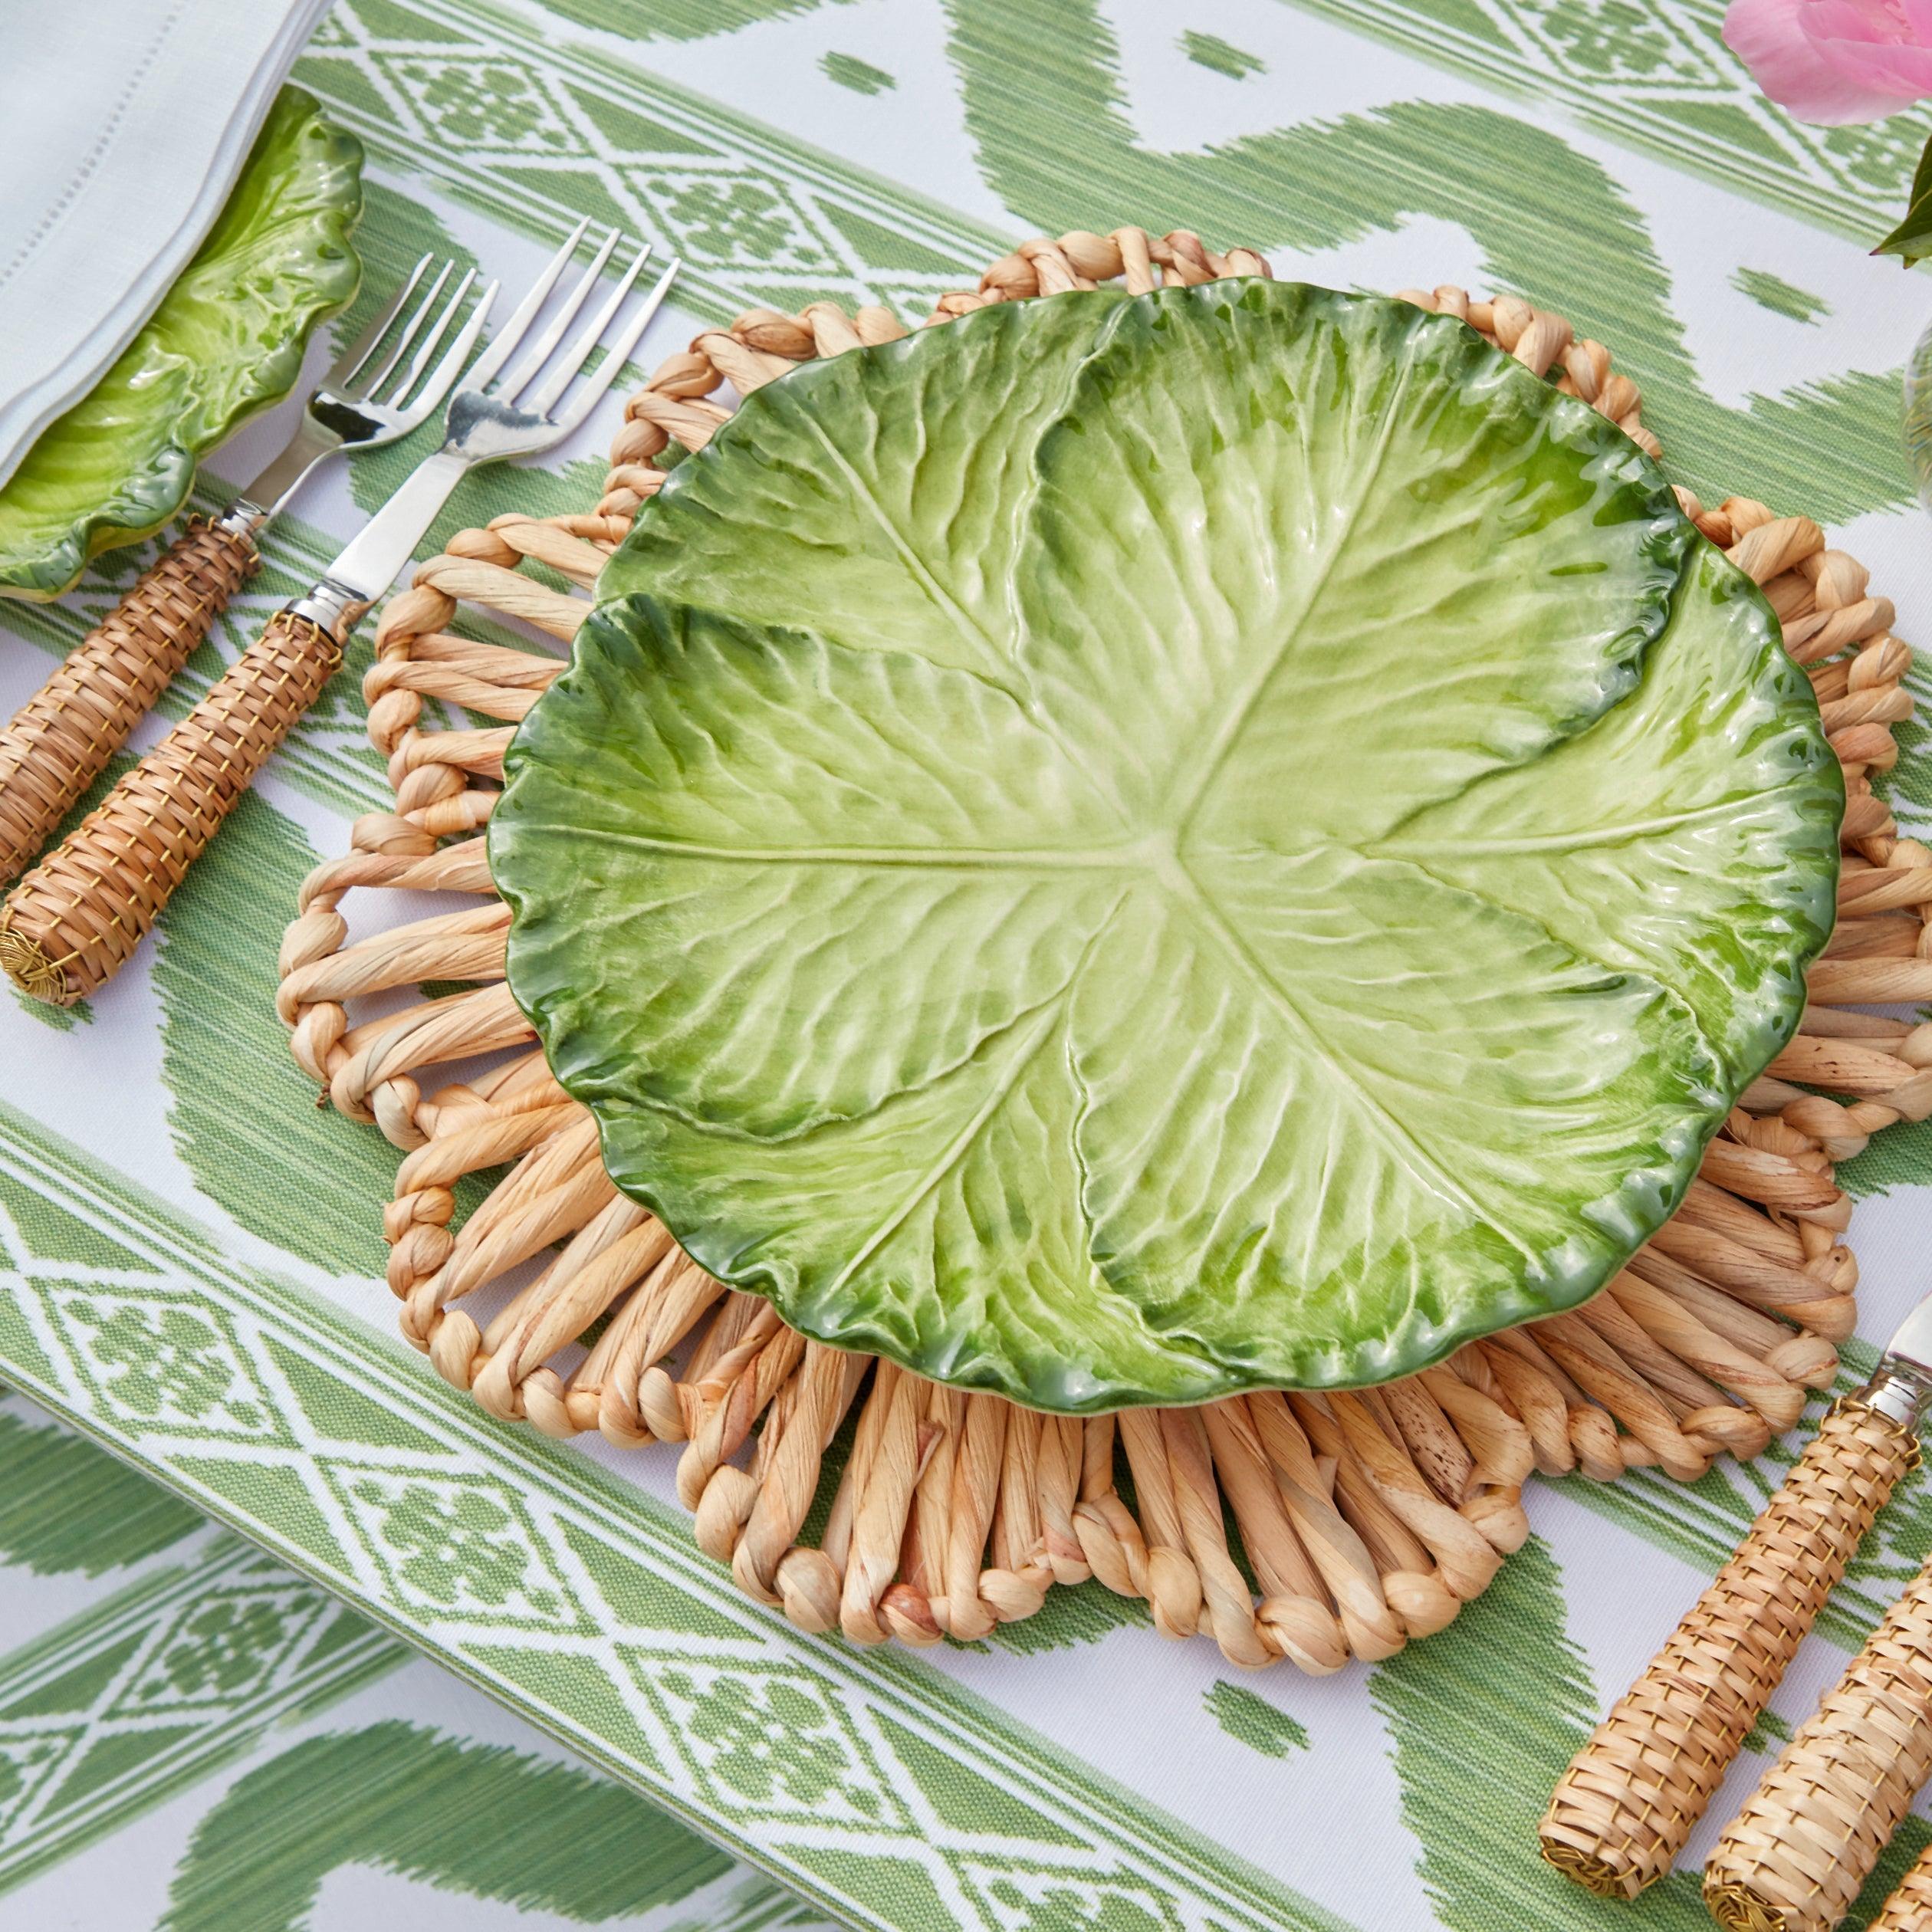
(1366, 1519)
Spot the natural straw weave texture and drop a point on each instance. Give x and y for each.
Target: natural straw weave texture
(1909, 1909)
(1623, 1809)
(1794, 1858)
(71, 923)
(1366, 1519)
(60, 741)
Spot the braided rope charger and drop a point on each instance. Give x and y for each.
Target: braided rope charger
(1366, 1519)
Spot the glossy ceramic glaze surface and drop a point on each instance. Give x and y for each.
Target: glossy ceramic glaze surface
(228, 339)
(1126, 849)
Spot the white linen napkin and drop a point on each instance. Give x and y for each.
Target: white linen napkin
(122, 125)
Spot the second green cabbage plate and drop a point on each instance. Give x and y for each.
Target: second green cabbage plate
(1127, 848)
(227, 340)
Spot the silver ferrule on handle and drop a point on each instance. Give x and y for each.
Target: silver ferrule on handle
(243, 517)
(1901, 1385)
(333, 606)
(1899, 1391)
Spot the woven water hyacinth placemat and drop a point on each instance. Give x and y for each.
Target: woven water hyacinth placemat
(854, 1494)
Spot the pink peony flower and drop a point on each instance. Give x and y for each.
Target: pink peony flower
(1833, 60)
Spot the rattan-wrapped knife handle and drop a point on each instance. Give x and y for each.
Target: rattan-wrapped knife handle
(1623, 1811)
(1794, 1858)
(71, 924)
(60, 741)
(1909, 1909)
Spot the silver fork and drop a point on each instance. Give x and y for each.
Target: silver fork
(60, 741)
(76, 918)
(497, 411)
(354, 408)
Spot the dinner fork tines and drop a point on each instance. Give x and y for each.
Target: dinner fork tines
(60, 740)
(500, 409)
(75, 919)
(371, 396)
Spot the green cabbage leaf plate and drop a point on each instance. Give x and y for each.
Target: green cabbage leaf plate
(227, 340)
(1124, 849)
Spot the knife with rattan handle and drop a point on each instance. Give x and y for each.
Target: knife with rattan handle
(74, 920)
(59, 742)
(71, 923)
(1626, 1806)
(1795, 1858)
(1909, 1909)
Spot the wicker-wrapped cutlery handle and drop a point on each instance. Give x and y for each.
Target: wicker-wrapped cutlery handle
(1623, 1810)
(72, 922)
(60, 741)
(1909, 1908)
(1795, 1858)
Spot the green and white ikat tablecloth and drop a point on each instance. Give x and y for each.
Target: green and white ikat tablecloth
(196, 1737)
(193, 1733)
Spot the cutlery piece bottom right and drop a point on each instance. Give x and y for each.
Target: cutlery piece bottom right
(1909, 1909)
(1797, 1854)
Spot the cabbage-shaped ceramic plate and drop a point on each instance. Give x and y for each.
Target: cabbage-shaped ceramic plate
(227, 340)
(1123, 850)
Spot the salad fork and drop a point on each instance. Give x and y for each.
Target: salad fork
(74, 921)
(60, 741)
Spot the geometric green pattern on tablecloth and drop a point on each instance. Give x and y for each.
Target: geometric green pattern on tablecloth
(167, 1359)
(191, 1645)
(1510, 144)
(1656, 74)
(759, 1735)
(182, 1686)
(457, 91)
(749, 1741)
(1058, 144)
(453, 1546)
(180, 1672)
(761, 1744)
